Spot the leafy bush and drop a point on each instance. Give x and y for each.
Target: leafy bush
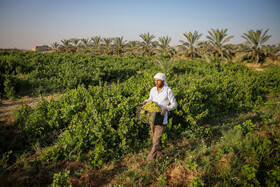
(61, 179)
(45, 73)
(101, 119)
(4, 161)
(95, 120)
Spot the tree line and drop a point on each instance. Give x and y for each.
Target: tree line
(216, 47)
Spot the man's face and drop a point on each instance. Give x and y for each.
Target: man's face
(159, 83)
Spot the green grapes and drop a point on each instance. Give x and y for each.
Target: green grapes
(151, 107)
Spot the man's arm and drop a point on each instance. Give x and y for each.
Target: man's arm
(148, 100)
(173, 103)
(150, 97)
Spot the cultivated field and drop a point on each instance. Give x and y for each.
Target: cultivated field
(76, 124)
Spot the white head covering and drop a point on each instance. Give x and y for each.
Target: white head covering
(161, 76)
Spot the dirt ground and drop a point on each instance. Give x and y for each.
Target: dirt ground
(8, 106)
(256, 67)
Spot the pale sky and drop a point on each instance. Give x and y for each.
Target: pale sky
(24, 23)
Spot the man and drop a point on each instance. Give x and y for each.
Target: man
(163, 96)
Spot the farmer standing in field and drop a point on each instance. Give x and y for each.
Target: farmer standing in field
(163, 96)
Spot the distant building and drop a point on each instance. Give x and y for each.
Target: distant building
(41, 48)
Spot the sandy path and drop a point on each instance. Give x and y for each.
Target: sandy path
(8, 106)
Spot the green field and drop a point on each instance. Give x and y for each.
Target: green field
(224, 132)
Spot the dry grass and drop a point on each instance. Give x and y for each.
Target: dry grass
(272, 62)
(224, 164)
(256, 67)
(261, 67)
(180, 176)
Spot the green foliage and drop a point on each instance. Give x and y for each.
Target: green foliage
(250, 176)
(162, 180)
(101, 119)
(97, 155)
(61, 179)
(164, 139)
(9, 87)
(270, 79)
(197, 182)
(246, 126)
(95, 120)
(273, 178)
(4, 161)
(37, 73)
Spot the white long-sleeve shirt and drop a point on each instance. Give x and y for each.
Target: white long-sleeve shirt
(163, 98)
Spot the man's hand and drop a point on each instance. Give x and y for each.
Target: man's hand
(142, 104)
(163, 111)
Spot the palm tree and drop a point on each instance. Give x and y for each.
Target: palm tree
(119, 44)
(272, 51)
(147, 44)
(107, 45)
(75, 42)
(85, 43)
(97, 41)
(231, 50)
(55, 46)
(164, 48)
(255, 41)
(66, 45)
(132, 48)
(206, 52)
(217, 39)
(204, 47)
(166, 64)
(189, 48)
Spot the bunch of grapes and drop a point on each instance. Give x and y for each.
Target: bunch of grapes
(151, 107)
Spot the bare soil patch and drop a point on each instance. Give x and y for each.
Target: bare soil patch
(256, 67)
(8, 106)
(261, 67)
